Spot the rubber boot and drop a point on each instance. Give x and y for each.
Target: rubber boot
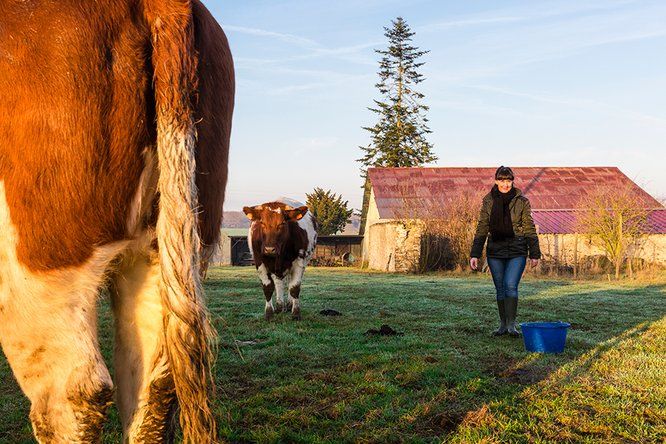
(502, 328)
(511, 308)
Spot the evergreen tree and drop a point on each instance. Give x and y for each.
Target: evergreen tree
(398, 139)
(330, 210)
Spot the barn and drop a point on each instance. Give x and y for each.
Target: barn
(398, 195)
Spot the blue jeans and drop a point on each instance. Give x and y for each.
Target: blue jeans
(506, 275)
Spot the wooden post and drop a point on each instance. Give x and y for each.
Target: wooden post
(575, 256)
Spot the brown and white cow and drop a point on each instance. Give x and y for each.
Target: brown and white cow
(115, 117)
(282, 239)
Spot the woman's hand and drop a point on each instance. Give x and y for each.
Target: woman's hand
(474, 263)
(534, 262)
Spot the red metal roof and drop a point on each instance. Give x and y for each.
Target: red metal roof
(423, 191)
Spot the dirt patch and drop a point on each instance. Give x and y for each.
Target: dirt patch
(330, 312)
(439, 423)
(497, 365)
(478, 418)
(509, 369)
(582, 327)
(239, 386)
(384, 330)
(529, 374)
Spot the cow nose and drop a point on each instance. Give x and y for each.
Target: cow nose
(269, 250)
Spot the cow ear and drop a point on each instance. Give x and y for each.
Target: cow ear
(250, 213)
(298, 213)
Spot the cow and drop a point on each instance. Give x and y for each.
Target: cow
(282, 239)
(114, 138)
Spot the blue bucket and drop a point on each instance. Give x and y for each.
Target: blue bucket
(545, 337)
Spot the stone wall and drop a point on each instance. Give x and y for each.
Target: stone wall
(393, 246)
(567, 249)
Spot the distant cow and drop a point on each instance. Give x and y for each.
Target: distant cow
(114, 135)
(282, 239)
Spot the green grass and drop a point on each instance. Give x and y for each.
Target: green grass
(322, 380)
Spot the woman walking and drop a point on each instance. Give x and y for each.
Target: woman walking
(506, 216)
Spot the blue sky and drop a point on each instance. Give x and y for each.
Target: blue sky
(520, 83)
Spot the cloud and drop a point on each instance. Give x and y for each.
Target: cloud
(580, 103)
(290, 38)
(432, 27)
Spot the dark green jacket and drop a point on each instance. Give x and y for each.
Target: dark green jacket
(525, 241)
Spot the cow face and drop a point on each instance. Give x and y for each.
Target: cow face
(274, 223)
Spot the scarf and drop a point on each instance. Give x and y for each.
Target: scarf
(500, 216)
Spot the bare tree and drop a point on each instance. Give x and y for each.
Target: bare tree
(446, 229)
(615, 221)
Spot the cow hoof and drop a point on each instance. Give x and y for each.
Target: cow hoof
(296, 316)
(268, 314)
(279, 308)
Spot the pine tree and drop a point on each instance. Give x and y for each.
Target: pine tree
(398, 139)
(330, 210)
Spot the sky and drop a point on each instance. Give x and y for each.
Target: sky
(518, 83)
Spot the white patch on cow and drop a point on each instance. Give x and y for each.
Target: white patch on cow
(296, 272)
(269, 308)
(293, 203)
(48, 327)
(143, 198)
(295, 279)
(280, 295)
(307, 224)
(249, 239)
(295, 304)
(263, 275)
(139, 327)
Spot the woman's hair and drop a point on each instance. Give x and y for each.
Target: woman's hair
(504, 173)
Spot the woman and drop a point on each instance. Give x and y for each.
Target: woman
(507, 216)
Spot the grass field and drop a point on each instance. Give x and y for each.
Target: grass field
(321, 380)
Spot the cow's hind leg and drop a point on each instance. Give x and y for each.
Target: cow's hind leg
(145, 391)
(48, 331)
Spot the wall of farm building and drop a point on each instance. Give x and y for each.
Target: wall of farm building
(222, 254)
(394, 246)
(564, 248)
(371, 218)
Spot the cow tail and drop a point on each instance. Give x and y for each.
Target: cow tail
(188, 333)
